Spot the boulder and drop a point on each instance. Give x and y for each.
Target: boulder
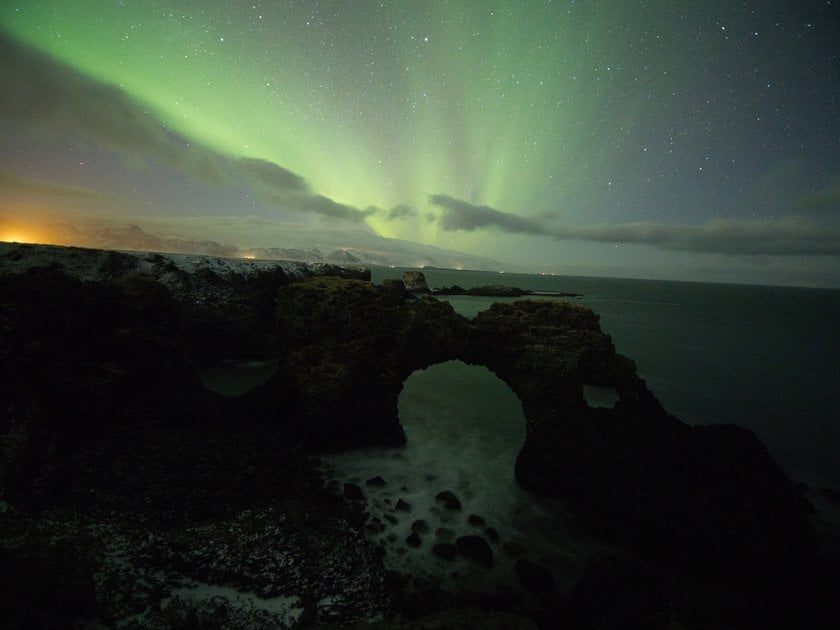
(618, 593)
(444, 534)
(536, 579)
(476, 549)
(476, 521)
(353, 492)
(415, 282)
(448, 499)
(447, 551)
(420, 526)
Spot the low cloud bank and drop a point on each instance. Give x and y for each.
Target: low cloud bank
(787, 236)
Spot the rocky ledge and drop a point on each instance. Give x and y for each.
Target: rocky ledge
(131, 495)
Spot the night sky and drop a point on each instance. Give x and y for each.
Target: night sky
(680, 140)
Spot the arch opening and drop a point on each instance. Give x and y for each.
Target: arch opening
(601, 396)
(464, 422)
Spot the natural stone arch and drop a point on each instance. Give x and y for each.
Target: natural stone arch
(347, 348)
(639, 475)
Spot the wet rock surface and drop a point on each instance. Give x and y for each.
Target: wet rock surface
(133, 495)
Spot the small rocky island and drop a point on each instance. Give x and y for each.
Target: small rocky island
(415, 282)
(131, 495)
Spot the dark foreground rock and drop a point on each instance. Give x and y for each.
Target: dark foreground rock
(536, 579)
(134, 495)
(476, 549)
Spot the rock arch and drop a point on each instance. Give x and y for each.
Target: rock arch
(706, 495)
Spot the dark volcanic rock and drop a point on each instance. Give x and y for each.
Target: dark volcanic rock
(513, 549)
(476, 520)
(492, 534)
(376, 481)
(46, 586)
(414, 539)
(619, 593)
(444, 534)
(415, 281)
(501, 291)
(353, 492)
(403, 506)
(476, 549)
(107, 429)
(447, 551)
(420, 526)
(536, 579)
(497, 291)
(449, 500)
(349, 346)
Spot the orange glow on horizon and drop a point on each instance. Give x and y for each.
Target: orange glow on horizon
(17, 233)
(18, 236)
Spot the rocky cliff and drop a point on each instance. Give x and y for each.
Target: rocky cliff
(113, 449)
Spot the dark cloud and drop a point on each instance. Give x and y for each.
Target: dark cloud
(402, 211)
(270, 174)
(788, 236)
(289, 191)
(461, 215)
(328, 208)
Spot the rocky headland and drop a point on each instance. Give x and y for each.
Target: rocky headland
(131, 495)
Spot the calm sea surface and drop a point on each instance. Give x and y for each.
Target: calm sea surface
(766, 358)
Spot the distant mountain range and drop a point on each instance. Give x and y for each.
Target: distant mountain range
(267, 240)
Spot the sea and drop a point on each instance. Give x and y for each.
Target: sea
(765, 358)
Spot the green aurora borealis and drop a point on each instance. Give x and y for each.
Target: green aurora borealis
(634, 138)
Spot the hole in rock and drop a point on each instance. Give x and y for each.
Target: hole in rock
(464, 429)
(600, 397)
(234, 377)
